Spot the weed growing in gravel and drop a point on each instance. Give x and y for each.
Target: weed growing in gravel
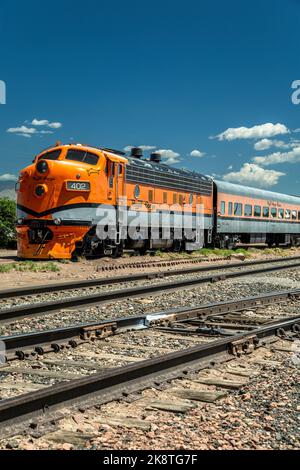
(31, 266)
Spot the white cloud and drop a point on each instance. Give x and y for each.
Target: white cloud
(146, 148)
(255, 132)
(8, 177)
(42, 122)
(197, 153)
(22, 130)
(230, 167)
(55, 125)
(170, 156)
(266, 144)
(279, 157)
(25, 131)
(251, 174)
(45, 122)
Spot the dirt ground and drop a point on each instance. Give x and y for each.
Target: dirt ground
(88, 269)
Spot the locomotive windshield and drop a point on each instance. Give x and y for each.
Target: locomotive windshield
(54, 155)
(82, 156)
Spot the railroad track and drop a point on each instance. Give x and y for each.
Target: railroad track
(81, 300)
(83, 284)
(160, 263)
(68, 367)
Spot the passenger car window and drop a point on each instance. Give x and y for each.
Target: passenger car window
(248, 210)
(223, 207)
(229, 208)
(298, 215)
(238, 208)
(266, 212)
(280, 213)
(273, 213)
(82, 156)
(287, 214)
(257, 211)
(294, 215)
(51, 155)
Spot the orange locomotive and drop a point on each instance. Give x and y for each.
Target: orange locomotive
(61, 193)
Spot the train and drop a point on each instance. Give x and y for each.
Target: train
(63, 194)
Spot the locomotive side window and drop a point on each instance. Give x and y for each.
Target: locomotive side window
(266, 212)
(229, 208)
(280, 213)
(165, 198)
(82, 156)
(174, 198)
(273, 213)
(51, 155)
(137, 191)
(181, 199)
(150, 195)
(223, 207)
(248, 210)
(191, 199)
(257, 211)
(238, 208)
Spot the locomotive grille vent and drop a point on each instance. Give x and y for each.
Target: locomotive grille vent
(143, 172)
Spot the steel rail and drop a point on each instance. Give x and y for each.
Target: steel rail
(24, 345)
(103, 387)
(43, 308)
(46, 288)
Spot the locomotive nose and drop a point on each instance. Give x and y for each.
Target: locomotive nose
(42, 167)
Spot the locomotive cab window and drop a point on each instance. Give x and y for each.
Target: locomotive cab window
(223, 207)
(82, 156)
(248, 210)
(238, 208)
(257, 211)
(54, 155)
(266, 212)
(273, 213)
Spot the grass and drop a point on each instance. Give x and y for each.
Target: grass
(205, 252)
(29, 266)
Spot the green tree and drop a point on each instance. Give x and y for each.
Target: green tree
(7, 223)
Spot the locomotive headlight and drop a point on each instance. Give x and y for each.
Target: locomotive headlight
(20, 221)
(57, 221)
(41, 190)
(42, 167)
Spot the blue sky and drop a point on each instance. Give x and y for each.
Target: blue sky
(168, 74)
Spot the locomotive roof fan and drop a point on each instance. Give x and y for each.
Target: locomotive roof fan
(155, 157)
(136, 152)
